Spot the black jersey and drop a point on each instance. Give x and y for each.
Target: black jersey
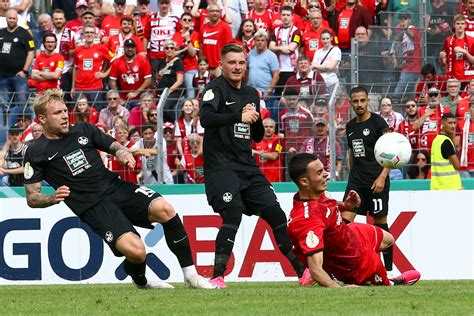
(228, 141)
(73, 161)
(361, 139)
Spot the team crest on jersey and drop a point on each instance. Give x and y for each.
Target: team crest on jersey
(51, 63)
(83, 140)
(109, 236)
(366, 132)
(312, 241)
(135, 68)
(28, 171)
(227, 197)
(96, 55)
(208, 96)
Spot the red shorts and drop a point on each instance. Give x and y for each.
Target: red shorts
(372, 270)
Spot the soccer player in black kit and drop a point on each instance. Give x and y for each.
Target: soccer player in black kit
(367, 177)
(234, 183)
(68, 159)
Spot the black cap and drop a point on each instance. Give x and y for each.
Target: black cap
(320, 102)
(87, 12)
(129, 42)
(291, 92)
(119, 1)
(143, 1)
(15, 129)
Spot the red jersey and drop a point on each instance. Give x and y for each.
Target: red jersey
(171, 154)
(212, 39)
(267, 21)
(343, 33)
(130, 75)
(111, 25)
(157, 31)
(48, 63)
(272, 170)
(469, 23)
(115, 44)
(246, 44)
(75, 117)
(194, 168)
(423, 86)
(431, 127)
(411, 51)
(463, 107)
(406, 128)
(125, 173)
(88, 61)
(189, 63)
(297, 126)
(74, 25)
(310, 40)
(313, 84)
(349, 250)
(465, 128)
(457, 65)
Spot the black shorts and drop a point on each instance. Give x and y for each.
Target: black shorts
(237, 189)
(118, 212)
(376, 204)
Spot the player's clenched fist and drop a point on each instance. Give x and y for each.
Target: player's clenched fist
(249, 114)
(62, 193)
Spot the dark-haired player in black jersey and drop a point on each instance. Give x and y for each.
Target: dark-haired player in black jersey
(234, 183)
(367, 177)
(68, 159)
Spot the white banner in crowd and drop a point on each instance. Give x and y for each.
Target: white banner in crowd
(434, 234)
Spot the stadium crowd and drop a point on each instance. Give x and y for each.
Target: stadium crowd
(115, 58)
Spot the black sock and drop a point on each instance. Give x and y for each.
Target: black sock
(388, 253)
(225, 239)
(276, 218)
(136, 271)
(178, 241)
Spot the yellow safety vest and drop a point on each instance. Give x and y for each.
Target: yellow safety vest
(443, 174)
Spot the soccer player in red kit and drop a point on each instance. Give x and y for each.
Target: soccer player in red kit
(330, 248)
(48, 66)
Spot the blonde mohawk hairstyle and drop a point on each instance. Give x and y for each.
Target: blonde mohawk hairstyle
(42, 100)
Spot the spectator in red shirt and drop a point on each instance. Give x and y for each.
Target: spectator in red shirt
(306, 81)
(268, 153)
(76, 24)
(310, 39)
(186, 124)
(212, 37)
(172, 155)
(348, 19)
(192, 161)
(48, 66)
(187, 41)
(406, 126)
(91, 66)
(245, 35)
(143, 17)
(138, 115)
(116, 42)
(111, 23)
(125, 173)
(83, 112)
(429, 79)
(131, 74)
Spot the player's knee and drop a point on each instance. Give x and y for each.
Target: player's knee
(160, 211)
(387, 241)
(132, 247)
(231, 217)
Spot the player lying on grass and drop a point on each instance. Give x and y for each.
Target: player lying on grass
(332, 249)
(68, 159)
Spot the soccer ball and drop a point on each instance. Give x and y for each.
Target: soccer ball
(392, 150)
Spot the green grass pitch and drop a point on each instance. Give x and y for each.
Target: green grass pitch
(277, 298)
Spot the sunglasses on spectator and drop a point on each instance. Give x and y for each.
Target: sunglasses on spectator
(433, 95)
(170, 48)
(421, 159)
(314, 6)
(186, 20)
(110, 99)
(410, 106)
(386, 104)
(153, 115)
(189, 7)
(167, 131)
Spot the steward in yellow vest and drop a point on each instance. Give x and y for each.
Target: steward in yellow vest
(444, 162)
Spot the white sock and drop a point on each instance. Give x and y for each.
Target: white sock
(189, 272)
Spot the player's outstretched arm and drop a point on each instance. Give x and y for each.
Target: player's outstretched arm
(315, 264)
(123, 154)
(36, 199)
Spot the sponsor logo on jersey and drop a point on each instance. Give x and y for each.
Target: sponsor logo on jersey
(358, 148)
(77, 162)
(205, 34)
(312, 241)
(210, 41)
(242, 130)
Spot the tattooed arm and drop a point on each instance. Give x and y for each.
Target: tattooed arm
(36, 199)
(123, 154)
